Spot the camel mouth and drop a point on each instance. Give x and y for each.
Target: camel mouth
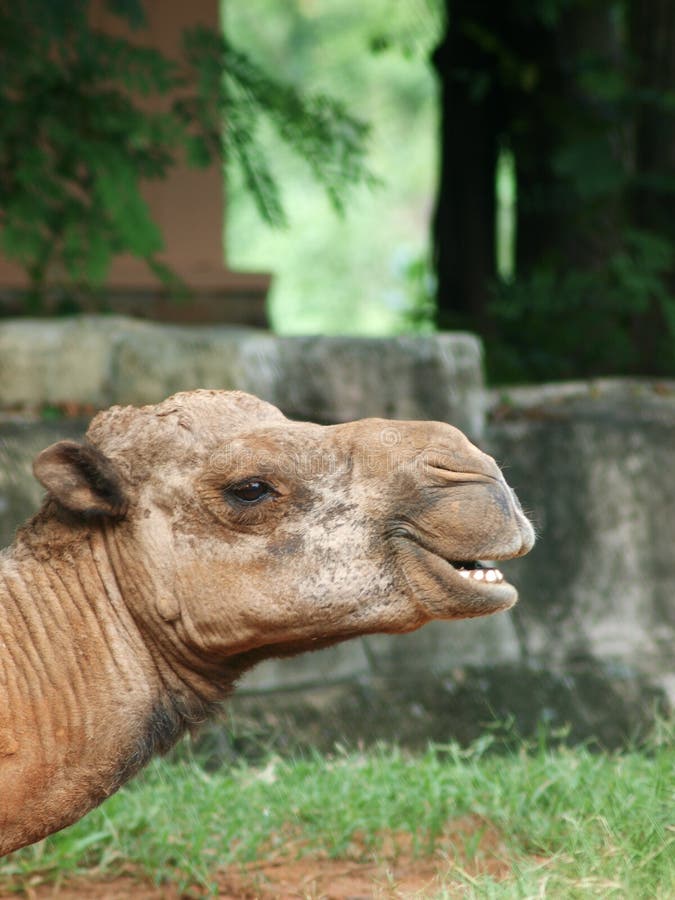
(476, 587)
(478, 576)
(449, 588)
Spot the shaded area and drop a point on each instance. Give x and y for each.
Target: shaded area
(579, 95)
(585, 703)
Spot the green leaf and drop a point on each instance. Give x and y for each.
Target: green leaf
(117, 190)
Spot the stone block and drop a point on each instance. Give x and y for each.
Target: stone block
(45, 361)
(593, 464)
(101, 360)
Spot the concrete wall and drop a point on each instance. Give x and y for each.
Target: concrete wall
(595, 465)
(590, 642)
(100, 360)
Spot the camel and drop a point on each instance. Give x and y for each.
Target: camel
(182, 543)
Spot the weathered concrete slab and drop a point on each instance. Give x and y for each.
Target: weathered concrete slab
(45, 361)
(595, 466)
(101, 360)
(437, 649)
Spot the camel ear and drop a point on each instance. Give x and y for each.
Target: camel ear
(81, 478)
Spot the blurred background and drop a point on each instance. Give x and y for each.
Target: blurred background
(367, 271)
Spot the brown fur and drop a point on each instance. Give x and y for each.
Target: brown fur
(146, 585)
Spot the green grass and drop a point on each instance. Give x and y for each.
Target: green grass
(575, 823)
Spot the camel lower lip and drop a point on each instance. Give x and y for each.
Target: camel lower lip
(447, 590)
(475, 571)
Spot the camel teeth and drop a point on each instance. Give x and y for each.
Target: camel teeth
(493, 576)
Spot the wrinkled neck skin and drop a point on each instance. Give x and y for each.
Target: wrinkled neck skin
(87, 695)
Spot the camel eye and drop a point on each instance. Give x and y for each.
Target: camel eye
(251, 491)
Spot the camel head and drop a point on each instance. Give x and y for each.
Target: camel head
(232, 530)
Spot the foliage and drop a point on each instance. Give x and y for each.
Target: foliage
(318, 129)
(573, 822)
(411, 27)
(420, 289)
(570, 89)
(555, 323)
(79, 134)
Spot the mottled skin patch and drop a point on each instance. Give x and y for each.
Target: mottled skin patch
(185, 542)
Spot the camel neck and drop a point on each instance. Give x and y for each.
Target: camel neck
(81, 704)
(69, 631)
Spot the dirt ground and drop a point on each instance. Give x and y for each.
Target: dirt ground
(472, 847)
